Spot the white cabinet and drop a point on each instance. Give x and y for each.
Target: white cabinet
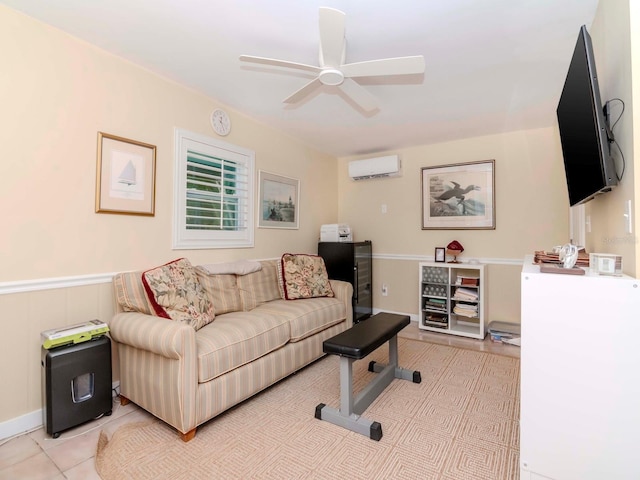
(580, 376)
(452, 298)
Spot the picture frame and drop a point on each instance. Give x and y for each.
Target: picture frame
(460, 196)
(605, 264)
(278, 199)
(125, 176)
(440, 255)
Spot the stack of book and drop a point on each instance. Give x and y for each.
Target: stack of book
(551, 257)
(466, 309)
(435, 320)
(465, 294)
(468, 281)
(437, 304)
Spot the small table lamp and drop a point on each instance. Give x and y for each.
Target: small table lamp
(455, 249)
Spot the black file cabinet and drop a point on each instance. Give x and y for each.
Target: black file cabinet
(76, 384)
(351, 262)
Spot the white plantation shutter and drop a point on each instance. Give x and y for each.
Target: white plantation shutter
(217, 192)
(213, 193)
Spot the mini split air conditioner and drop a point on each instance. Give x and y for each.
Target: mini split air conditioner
(375, 167)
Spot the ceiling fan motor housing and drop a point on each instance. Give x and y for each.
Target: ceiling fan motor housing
(331, 76)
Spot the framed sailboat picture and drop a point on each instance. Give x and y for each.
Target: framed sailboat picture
(125, 176)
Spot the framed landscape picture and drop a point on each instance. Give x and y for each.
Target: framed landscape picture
(459, 196)
(279, 201)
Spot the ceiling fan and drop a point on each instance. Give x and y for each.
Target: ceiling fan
(334, 72)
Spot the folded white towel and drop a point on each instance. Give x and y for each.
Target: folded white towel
(239, 267)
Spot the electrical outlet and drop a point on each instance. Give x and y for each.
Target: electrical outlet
(628, 226)
(385, 289)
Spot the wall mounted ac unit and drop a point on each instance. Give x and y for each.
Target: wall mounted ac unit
(388, 166)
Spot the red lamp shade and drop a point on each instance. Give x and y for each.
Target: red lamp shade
(455, 248)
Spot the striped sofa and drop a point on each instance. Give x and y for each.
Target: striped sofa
(186, 377)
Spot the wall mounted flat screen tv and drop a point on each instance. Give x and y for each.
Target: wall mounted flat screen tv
(584, 132)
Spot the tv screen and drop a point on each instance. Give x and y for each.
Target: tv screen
(588, 165)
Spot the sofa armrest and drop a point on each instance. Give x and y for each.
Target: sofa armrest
(344, 292)
(158, 366)
(154, 334)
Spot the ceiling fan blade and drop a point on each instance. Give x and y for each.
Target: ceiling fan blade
(332, 23)
(359, 95)
(385, 66)
(303, 92)
(279, 63)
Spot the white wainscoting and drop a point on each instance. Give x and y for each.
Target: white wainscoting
(51, 283)
(430, 258)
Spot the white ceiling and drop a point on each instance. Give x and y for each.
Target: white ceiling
(491, 65)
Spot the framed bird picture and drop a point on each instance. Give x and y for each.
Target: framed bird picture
(460, 196)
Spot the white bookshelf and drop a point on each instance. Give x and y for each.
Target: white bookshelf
(452, 298)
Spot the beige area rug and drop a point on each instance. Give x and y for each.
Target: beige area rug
(460, 423)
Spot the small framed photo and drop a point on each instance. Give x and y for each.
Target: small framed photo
(278, 201)
(125, 176)
(440, 254)
(605, 264)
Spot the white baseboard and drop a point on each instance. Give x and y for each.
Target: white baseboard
(21, 424)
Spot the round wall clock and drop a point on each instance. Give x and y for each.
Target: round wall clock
(220, 122)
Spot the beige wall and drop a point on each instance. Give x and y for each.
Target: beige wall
(613, 41)
(531, 198)
(531, 214)
(57, 93)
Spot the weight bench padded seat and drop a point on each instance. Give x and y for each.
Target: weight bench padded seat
(364, 337)
(355, 344)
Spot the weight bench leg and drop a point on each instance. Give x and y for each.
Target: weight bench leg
(351, 408)
(346, 416)
(401, 373)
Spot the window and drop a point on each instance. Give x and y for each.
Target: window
(213, 205)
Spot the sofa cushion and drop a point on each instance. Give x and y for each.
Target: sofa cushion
(259, 287)
(236, 339)
(307, 317)
(304, 276)
(280, 281)
(130, 293)
(176, 293)
(222, 291)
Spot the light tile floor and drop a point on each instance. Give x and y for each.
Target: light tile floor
(37, 456)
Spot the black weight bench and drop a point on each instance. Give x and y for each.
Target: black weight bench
(355, 344)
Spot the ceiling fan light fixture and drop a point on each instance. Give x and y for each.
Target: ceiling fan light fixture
(333, 71)
(331, 76)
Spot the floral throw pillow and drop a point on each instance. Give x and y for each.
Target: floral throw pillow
(304, 276)
(176, 293)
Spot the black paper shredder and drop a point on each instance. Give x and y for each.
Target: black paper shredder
(76, 384)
